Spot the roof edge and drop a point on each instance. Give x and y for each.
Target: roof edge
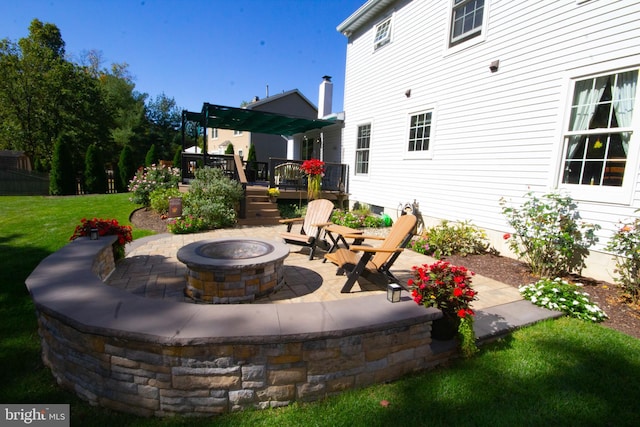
(361, 16)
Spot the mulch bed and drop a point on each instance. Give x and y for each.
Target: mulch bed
(622, 316)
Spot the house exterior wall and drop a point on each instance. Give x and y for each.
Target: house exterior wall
(218, 145)
(494, 134)
(290, 103)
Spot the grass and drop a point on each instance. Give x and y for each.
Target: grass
(562, 372)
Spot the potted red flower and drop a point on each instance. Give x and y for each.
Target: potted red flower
(314, 169)
(448, 288)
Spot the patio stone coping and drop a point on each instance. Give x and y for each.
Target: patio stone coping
(65, 285)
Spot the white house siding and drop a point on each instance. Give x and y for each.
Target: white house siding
(494, 134)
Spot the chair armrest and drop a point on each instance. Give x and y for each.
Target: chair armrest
(358, 248)
(363, 237)
(322, 224)
(290, 222)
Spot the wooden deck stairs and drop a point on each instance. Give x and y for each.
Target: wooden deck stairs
(260, 210)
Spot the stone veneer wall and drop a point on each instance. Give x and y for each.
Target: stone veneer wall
(160, 358)
(158, 380)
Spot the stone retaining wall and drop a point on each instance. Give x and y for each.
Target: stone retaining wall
(160, 358)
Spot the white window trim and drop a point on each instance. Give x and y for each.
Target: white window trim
(214, 133)
(473, 40)
(355, 150)
(603, 194)
(422, 154)
(237, 132)
(387, 18)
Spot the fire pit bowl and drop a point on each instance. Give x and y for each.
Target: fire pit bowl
(225, 271)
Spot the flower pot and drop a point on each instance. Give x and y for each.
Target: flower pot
(445, 328)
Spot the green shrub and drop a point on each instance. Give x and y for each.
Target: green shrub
(558, 294)
(213, 197)
(148, 179)
(445, 239)
(152, 157)
(62, 179)
(177, 158)
(548, 235)
(159, 199)
(373, 221)
(186, 224)
(95, 176)
(625, 245)
(291, 210)
(126, 166)
(347, 218)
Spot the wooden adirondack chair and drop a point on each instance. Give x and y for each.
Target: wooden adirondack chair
(374, 260)
(318, 215)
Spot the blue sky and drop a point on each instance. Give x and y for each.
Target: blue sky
(218, 51)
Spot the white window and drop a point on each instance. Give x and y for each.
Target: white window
(383, 34)
(466, 20)
(420, 132)
(598, 143)
(214, 133)
(237, 132)
(362, 149)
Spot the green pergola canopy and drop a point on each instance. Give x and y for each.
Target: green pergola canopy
(221, 117)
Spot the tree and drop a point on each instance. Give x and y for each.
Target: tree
(252, 163)
(152, 157)
(127, 108)
(62, 179)
(164, 124)
(177, 158)
(229, 149)
(95, 177)
(42, 96)
(126, 167)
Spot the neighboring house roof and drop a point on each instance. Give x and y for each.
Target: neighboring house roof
(363, 15)
(264, 102)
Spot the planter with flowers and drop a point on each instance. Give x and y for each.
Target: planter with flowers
(448, 288)
(314, 169)
(105, 227)
(273, 193)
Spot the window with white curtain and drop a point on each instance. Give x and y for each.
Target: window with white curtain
(362, 149)
(596, 142)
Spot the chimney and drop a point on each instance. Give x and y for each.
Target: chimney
(325, 97)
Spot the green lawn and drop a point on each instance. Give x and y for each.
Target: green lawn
(562, 372)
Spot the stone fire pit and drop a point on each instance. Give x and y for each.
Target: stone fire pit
(224, 271)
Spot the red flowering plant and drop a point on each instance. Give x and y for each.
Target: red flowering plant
(448, 288)
(105, 227)
(314, 168)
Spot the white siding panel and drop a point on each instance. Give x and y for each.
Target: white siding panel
(495, 134)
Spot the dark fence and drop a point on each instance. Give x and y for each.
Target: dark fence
(287, 174)
(190, 162)
(17, 182)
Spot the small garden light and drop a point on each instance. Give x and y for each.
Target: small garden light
(393, 292)
(93, 234)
